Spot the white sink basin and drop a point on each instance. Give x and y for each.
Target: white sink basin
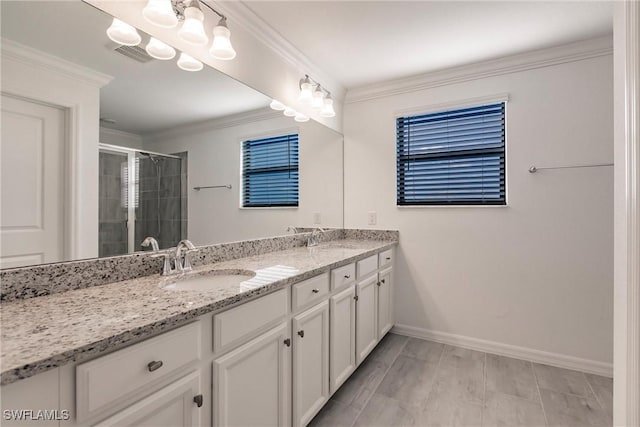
(207, 280)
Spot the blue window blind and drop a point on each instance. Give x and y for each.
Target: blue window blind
(270, 172)
(453, 157)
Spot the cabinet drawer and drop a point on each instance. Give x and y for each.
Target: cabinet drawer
(343, 276)
(385, 258)
(238, 324)
(309, 291)
(128, 374)
(367, 266)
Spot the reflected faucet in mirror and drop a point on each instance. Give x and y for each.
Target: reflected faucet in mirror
(150, 241)
(313, 237)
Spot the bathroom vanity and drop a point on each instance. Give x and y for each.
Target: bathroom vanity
(270, 350)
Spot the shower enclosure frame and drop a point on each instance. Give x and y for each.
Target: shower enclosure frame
(132, 166)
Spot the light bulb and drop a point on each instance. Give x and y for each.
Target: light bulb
(277, 105)
(301, 118)
(160, 13)
(306, 91)
(289, 112)
(192, 30)
(221, 47)
(327, 108)
(123, 33)
(318, 98)
(159, 50)
(189, 63)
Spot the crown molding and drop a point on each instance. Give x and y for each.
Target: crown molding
(241, 14)
(120, 134)
(509, 64)
(213, 124)
(35, 58)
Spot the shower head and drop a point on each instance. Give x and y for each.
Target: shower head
(151, 157)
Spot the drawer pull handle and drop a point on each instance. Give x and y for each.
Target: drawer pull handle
(315, 291)
(388, 258)
(347, 276)
(155, 365)
(301, 333)
(287, 342)
(198, 400)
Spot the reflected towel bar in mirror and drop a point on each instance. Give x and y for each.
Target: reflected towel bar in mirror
(534, 169)
(212, 186)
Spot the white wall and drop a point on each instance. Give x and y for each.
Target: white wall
(537, 274)
(118, 137)
(214, 159)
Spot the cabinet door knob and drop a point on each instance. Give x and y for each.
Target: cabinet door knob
(315, 291)
(301, 333)
(287, 342)
(198, 400)
(154, 365)
(347, 276)
(378, 283)
(382, 280)
(356, 298)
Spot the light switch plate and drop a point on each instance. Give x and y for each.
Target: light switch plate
(316, 218)
(372, 218)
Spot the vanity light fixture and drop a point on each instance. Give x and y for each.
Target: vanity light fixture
(160, 50)
(318, 97)
(160, 13)
(277, 105)
(189, 63)
(306, 90)
(123, 33)
(192, 30)
(327, 107)
(221, 47)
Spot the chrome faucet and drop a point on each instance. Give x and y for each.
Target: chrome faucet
(178, 261)
(312, 240)
(293, 229)
(150, 241)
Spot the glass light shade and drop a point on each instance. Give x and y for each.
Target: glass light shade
(192, 30)
(318, 98)
(277, 105)
(189, 63)
(159, 50)
(327, 108)
(221, 47)
(160, 13)
(301, 118)
(306, 91)
(289, 112)
(123, 33)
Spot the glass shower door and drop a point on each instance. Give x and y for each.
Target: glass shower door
(113, 236)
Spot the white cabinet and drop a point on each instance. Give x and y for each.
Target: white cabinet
(342, 337)
(366, 317)
(310, 363)
(252, 384)
(177, 405)
(385, 301)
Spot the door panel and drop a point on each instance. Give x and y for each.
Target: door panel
(366, 317)
(343, 336)
(385, 302)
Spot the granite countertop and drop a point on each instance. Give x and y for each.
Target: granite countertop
(42, 333)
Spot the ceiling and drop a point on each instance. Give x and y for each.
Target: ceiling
(143, 97)
(362, 42)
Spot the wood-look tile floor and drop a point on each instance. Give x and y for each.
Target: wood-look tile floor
(413, 382)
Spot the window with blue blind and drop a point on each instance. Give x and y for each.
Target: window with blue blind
(270, 172)
(454, 157)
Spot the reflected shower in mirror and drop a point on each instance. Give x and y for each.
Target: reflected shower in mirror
(159, 132)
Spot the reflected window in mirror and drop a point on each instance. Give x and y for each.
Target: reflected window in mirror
(270, 172)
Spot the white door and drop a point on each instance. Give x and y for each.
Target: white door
(173, 406)
(32, 148)
(385, 302)
(310, 363)
(252, 384)
(343, 337)
(366, 317)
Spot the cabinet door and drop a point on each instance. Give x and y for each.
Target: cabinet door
(172, 406)
(385, 302)
(310, 363)
(252, 384)
(343, 336)
(366, 317)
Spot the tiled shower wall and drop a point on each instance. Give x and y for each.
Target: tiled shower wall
(113, 215)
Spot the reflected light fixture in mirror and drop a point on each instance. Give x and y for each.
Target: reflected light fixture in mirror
(189, 63)
(289, 112)
(160, 50)
(123, 33)
(277, 105)
(299, 117)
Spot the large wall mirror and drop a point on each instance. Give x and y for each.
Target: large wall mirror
(167, 151)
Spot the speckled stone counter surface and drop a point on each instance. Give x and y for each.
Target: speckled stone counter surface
(49, 331)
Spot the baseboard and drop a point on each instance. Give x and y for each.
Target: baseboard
(537, 356)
